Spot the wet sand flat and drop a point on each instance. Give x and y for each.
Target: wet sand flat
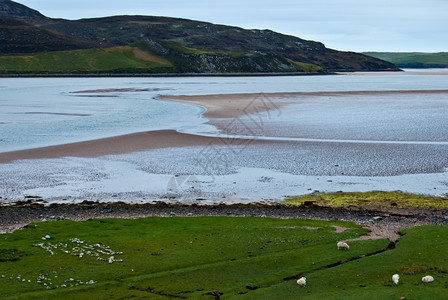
(220, 108)
(114, 145)
(218, 168)
(234, 105)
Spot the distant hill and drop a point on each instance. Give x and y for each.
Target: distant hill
(184, 46)
(413, 59)
(17, 11)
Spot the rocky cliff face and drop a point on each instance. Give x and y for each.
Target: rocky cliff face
(191, 46)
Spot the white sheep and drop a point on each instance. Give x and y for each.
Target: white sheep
(428, 278)
(301, 281)
(342, 245)
(396, 278)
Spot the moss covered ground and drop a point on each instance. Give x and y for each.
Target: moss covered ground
(372, 199)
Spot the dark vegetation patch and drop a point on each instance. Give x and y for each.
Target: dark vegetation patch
(11, 255)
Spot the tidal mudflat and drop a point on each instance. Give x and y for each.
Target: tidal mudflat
(222, 140)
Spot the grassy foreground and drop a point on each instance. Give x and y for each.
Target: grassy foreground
(212, 257)
(375, 199)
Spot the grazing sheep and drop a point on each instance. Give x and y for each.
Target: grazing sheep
(396, 278)
(342, 245)
(301, 281)
(428, 278)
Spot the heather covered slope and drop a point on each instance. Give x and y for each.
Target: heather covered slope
(190, 46)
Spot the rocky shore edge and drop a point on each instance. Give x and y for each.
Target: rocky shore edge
(383, 223)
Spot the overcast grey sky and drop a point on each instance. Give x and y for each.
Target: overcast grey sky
(354, 25)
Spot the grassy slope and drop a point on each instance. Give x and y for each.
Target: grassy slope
(186, 257)
(117, 59)
(136, 59)
(422, 251)
(413, 59)
(239, 257)
(377, 199)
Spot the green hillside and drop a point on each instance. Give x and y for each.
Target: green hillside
(413, 59)
(110, 60)
(173, 58)
(190, 46)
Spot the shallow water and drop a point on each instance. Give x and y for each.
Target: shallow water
(326, 143)
(37, 112)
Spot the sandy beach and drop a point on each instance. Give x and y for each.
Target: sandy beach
(219, 106)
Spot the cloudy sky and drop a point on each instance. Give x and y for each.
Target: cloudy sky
(355, 25)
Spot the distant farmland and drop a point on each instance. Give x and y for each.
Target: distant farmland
(413, 59)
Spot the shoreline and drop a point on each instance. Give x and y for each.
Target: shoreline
(383, 223)
(177, 74)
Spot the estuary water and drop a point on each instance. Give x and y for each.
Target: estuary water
(328, 143)
(36, 112)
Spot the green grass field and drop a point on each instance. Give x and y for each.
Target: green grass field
(413, 59)
(206, 257)
(126, 59)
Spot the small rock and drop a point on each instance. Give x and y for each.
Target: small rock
(47, 237)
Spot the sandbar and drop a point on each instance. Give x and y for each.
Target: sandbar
(235, 105)
(111, 146)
